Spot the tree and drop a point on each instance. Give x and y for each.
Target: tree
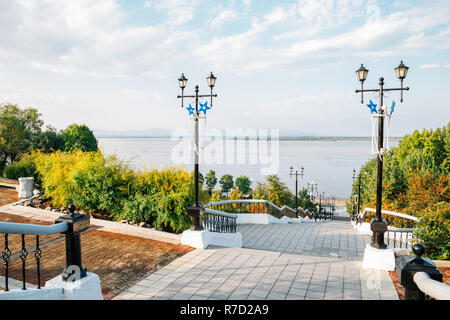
(243, 183)
(226, 182)
(274, 190)
(236, 194)
(50, 140)
(304, 201)
(19, 131)
(79, 137)
(215, 196)
(279, 193)
(211, 180)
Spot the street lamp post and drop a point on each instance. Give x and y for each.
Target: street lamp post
(196, 210)
(312, 186)
(378, 225)
(296, 174)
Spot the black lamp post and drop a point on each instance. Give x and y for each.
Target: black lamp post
(196, 210)
(353, 193)
(296, 174)
(378, 225)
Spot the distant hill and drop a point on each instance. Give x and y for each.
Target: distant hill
(285, 134)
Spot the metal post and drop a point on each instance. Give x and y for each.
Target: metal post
(378, 225)
(196, 151)
(359, 193)
(296, 195)
(77, 223)
(196, 210)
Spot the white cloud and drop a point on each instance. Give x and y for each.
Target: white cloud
(224, 16)
(435, 66)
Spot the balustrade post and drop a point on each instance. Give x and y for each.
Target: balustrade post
(77, 223)
(407, 267)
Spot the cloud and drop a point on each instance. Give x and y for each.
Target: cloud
(435, 66)
(405, 32)
(224, 16)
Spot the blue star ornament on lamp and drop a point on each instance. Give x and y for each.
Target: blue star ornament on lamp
(372, 107)
(204, 107)
(190, 109)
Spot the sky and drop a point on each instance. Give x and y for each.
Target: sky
(114, 64)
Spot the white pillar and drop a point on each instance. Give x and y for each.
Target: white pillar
(25, 187)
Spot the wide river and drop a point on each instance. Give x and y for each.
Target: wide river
(329, 163)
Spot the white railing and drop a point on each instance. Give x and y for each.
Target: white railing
(32, 229)
(398, 237)
(225, 204)
(434, 289)
(218, 221)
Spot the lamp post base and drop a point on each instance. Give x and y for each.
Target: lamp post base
(196, 213)
(379, 259)
(378, 227)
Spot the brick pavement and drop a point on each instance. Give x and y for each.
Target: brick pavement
(293, 261)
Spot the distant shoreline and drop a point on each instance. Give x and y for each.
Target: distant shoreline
(246, 138)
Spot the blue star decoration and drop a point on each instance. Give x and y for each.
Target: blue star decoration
(392, 107)
(372, 107)
(204, 107)
(190, 109)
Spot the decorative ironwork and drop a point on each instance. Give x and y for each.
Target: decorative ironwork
(23, 253)
(37, 257)
(216, 222)
(6, 256)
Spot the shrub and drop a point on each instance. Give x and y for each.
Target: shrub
(165, 196)
(433, 230)
(23, 168)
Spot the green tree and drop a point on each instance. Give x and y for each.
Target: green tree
(79, 137)
(226, 182)
(261, 191)
(19, 131)
(278, 192)
(216, 196)
(274, 190)
(304, 201)
(243, 183)
(50, 140)
(211, 180)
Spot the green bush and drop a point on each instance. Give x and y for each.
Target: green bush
(23, 168)
(433, 230)
(107, 185)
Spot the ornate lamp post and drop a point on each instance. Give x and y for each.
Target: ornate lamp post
(353, 193)
(296, 174)
(378, 225)
(312, 186)
(196, 210)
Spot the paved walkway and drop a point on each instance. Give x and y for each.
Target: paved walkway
(293, 261)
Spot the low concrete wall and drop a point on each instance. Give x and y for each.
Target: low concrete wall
(203, 239)
(87, 288)
(264, 218)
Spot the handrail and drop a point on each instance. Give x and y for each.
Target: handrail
(392, 213)
(435, 289)
(279, 212)
(33, 229)
(70, 225)
(394, 235)
(250, 201)
(220, 213)
(218, 221)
